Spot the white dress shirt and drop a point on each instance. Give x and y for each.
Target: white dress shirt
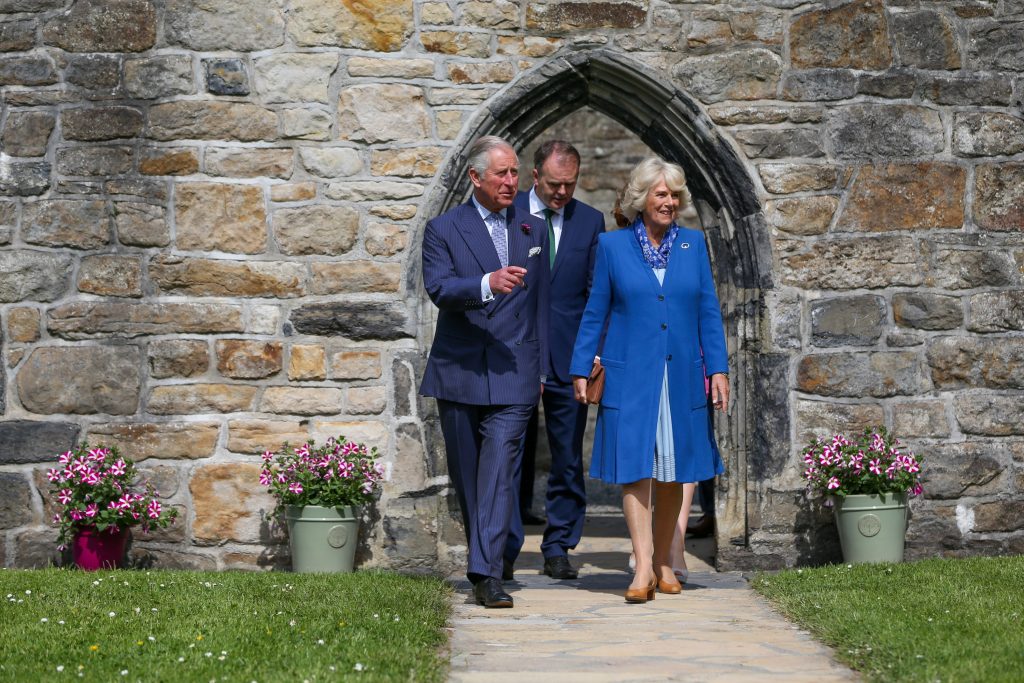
(537, 209)
(485, 287)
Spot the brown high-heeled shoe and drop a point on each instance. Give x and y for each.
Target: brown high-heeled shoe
(670, 587)
(641, 594)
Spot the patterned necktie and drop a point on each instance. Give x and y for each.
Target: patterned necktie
(551, 236)
(496, 224)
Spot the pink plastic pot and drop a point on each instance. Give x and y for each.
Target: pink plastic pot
(92, 549)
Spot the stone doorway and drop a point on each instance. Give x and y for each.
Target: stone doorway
(725, 197)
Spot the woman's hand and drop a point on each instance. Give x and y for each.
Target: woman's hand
(579, 387)
(720, 391)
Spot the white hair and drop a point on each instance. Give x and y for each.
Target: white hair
(645, 176)
(479, 154)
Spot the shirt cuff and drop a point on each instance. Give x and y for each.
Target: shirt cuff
(485, 288)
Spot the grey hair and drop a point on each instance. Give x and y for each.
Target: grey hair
(645, 176)
(479, 154)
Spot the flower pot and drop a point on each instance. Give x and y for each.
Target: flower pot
(322, 539)
(93, 549)
(872, 527)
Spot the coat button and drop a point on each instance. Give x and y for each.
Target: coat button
(517, 315)
(664, 326)
(661, 297)
(519, 343)
(668, 357)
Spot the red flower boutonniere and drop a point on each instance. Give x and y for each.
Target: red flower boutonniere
(525, 227)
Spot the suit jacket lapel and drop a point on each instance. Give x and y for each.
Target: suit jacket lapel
(568, 238)
(518, 241)
(651, 277)
(477, 237)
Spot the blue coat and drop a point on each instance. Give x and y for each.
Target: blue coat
(650, 328)
(570, 278)
(490, 353)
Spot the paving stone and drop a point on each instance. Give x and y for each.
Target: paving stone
(79, 380)
(241, 25)
(847, 321)
(377, 25)
(103, 26)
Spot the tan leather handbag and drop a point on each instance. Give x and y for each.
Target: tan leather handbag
(595, 382)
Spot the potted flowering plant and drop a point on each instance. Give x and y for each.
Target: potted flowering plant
(319, 491)
(867, 482)
(96, 505)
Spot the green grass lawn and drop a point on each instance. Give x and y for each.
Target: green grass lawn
(60, 624)
(934, 620)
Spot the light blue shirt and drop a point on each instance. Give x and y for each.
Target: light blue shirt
(537, 207)
(485, 288)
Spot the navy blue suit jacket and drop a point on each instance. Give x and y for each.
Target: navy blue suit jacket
(571, 277)
(492, 353)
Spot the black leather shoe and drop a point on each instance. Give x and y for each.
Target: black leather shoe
(702, 528)
(489, 593)
(558, 567)
(530, 519)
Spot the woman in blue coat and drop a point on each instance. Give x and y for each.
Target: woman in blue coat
(653, 285)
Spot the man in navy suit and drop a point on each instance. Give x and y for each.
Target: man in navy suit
(486, 268)
(572, 228)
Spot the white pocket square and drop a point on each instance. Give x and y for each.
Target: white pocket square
(533, 252)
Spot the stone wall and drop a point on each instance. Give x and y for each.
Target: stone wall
(209, 218)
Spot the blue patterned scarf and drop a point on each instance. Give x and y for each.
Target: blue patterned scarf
(656, 258)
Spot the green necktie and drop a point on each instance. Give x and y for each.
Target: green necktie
(551, 237)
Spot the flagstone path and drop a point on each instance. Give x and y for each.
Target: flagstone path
(718, 629)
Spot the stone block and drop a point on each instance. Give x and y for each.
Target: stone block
(248, 359)
(1001, 515)
(748, 74)
(385, 239)
(177, 358)
(460, 43)
(987, 134)
(66, 223)
(786, 319)
(293, 192)
(995, 311)
(395, 213)
(204, 120)
(847, 321)
(500, 14)
(377, 25)
(186, 399)
(920, 419)
(974, 362)
(27, 275)
(94, 161)
(462, 73)
(307, 362)
(262, 162)
(89, 319)
(775, 143)
(217, 277)
(406, 163)
(158, 441)
(23, 325)
(104, 26)
(24, 179)
(869, 263)
(356, 320)
(996, 46)
(966, 269)
(27, 133)
(257, 436)
(220, 217)
(346, 277)
(264, 319)
(733, 114)
(240, 25)
(331, 162)
(369, 433)
(786, 178)
(295, 77)
(168, 161)
(444, 97)
(802, 215)
(81, 380)
(149, 78)
(355, 364)
(528, 46)
(149, 189)
(301, 401)
(566, 17)
(926, 40)
(969, 89)
(972, 468)
(306, 123)
(110, 275)
(823, 419)
(229, 505)
(36, 549)
(17, 36)
(927, 311)
(372, 191)
(390, 68)
(897, 84)
(988, 414)
(436, 13)
(853, 36)
(383, 113)
(29, 70)
(15, 500)
(889, 197)
(328, 230)
(141, 225)
(815, 85)
(402, 381)
(226, 77)
(999, 197)
(884, 130)
(100, 74)
(880, 374)
(365, 400)
(24, 441)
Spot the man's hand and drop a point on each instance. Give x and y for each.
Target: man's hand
(579, 387)
(505, 280)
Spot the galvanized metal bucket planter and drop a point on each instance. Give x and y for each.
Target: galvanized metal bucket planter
(322, 539)
(872, 527)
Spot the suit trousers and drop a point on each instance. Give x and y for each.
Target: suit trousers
(565, 420)
(484, 445)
